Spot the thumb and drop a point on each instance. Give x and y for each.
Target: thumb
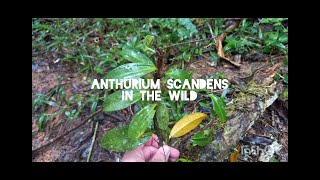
(162, 154)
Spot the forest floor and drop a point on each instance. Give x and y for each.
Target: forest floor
(68, 53)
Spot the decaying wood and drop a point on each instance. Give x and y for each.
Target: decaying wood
(247, 108)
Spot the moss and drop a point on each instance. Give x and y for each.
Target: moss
(284, 95)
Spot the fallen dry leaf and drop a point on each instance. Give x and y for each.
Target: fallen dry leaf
(234, 156)
(219, 46)
(186, 124)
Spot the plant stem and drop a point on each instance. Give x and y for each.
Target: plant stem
(92, 142)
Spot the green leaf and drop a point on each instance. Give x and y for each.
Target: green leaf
(67, 113)
(130, 71)
(285, 78)
(204, 105)
(162, 116)
(224, 93)
(117, 140)
(42, 120)
(94, 103)
(286, 61)
(218, 106)
(202, 138)
(276, 77)
(141, 121)
(114, 101)
(179, 74)
(184, 160)
(283, 38)
(51, 103)
(147, 42)
(135, 56)
(265, 20)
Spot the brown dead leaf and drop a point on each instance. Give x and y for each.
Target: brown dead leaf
(221, 53)
(219, 46)
(234, 156)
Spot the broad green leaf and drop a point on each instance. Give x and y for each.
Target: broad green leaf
(117, 140)
(135, 56)
(114, 101)
(162, 116)
(141, 121)
(202, 138)
(186, 124)
(179, 74)
(218, 106)
(130, 71)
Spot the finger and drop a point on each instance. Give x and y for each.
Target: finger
(162, 154)
(135, 155)
(153, 141)
(149, 152)
(149, 142)
(174, 153)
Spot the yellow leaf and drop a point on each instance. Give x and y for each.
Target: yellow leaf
(235, 154)
(186, 124)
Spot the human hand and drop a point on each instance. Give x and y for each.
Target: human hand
(151, 152)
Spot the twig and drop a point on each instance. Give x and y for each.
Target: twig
(199, 40)
(116, 117)
(93, 139)
(212, 35)
(67, 132)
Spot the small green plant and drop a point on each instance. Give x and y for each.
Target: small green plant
(153, 116)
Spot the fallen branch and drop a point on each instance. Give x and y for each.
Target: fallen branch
(239, 121)
(93, 139)
(67, 132)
